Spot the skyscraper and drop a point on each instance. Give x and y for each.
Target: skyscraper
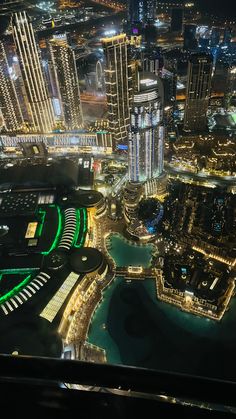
(118, 81)
(190, 42)
(146, 136)
(152, 60)
(9, 104)
(198, 92)
(151, 6)
(228, 33)
(141, 11)
(215, 37)
(41, 112)
(64, 73)
(177, 19)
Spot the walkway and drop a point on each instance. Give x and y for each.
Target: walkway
(135, 272)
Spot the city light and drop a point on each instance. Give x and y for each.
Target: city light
(117, 183)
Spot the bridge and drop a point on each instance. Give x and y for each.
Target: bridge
(137, 273)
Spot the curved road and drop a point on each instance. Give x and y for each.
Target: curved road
(201, 177)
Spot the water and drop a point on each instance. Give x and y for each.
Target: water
(126, 253)
(142, 331)
(145, 332)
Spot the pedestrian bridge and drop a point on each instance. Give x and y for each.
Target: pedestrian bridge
(135, 272)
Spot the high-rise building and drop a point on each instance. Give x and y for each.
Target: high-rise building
(118, 82)
(215, 37)
(198, 92)
(169, 80)
(151, 6)
(65, 79)
(176, 19)
(141, 11)
(190, 42)
(9, 104)
(227, 35)
(39, 104)
(136, 11)
(146, 136)
(152, 60)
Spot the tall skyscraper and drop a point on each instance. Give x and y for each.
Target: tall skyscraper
(39, 104)
(190, 42)
(65, 77)
(141, 11)
(9, 104)
(228, 33)
(146, 136)
(151, 6)
(118, 81)
(152, 60)
(198, 92)
(177, 19)
(215, 37)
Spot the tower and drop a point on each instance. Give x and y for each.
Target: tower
(177, 19)
(9, 103)
(190, 42)
(198, 92)
(118, 82)
(141, 11)
(146, 136)
(65, 77)
(152, 60)
(41, 112)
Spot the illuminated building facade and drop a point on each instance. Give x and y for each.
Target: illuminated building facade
(152, 60)
(146, 137)
(66, 81)
(151, 6)
(141, 11)
(9, 104)
(39, 104)
(198, 92)
(118, 82)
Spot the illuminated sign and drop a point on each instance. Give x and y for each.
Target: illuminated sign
(111, 32)
(61, 36)
(31, 230)
(148, 82)
(122, 147)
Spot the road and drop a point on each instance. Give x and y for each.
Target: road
(112, 5)
(201, 177)
(82, 27)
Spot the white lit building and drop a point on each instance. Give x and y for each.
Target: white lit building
(146, 136)
(64, 74)
(9, 104)
(118, 82)
(39, 103)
